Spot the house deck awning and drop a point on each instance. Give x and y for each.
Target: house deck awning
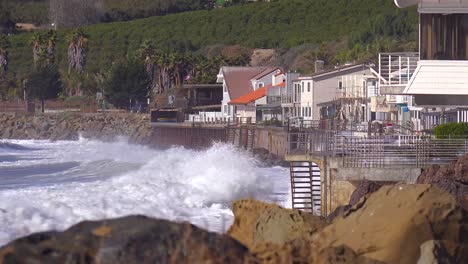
(439, 78)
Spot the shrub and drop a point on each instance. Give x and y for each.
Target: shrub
(452, 130)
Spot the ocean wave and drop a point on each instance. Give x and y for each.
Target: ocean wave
(118, 179)
(8, 146)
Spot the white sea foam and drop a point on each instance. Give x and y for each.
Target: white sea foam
(117, 179)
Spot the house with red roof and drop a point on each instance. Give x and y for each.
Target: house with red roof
(246, 88)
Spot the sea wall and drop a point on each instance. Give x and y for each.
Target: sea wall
(275, 140)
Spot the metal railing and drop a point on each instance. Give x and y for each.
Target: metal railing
(396, 69)
(397, 151)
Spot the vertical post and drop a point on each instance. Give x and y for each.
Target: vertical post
(389, 69)
(399, 69)
(408, 72)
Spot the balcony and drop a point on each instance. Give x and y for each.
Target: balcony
(396, 70)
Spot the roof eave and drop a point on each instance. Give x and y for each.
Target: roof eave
(406, 3)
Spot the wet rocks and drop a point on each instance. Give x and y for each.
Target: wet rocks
(453, 178)
(134, 239)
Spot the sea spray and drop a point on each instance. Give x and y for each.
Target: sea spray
(117, 179)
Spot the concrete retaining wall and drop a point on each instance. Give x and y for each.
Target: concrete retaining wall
(275, 140)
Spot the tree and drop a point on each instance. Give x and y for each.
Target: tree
(77, 40)
(51, 39)
(44, 83)
(4, 46)
(127, 81)
(36, 43)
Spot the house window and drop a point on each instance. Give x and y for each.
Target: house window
(260, 85)
(308, 87)
(225, 88)
(340, 85)
(302, 85)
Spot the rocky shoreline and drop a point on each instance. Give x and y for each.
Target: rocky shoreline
(382, 223)
(396, 224)
(70, 126)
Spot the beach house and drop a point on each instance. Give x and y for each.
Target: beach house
(245, 88)
(309, 94)
(439, 79)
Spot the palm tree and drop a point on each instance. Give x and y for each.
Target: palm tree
(77, 40)
(51, 44)
(4, 45)
(147, 53)
(36, 43)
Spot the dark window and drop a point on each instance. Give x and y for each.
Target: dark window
(444, 37)
(340, 85)
(308, 87)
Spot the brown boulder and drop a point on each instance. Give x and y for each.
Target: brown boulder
(391, 224)
(436, 251)
(299, 251)
(133, 239)
(453, 178)
(257, 223)
(364, 188)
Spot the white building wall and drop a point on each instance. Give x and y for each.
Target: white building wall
(226, 109)
(307, 99)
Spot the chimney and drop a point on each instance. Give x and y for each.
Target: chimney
(319, 66)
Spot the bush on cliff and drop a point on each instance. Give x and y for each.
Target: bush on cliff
(452, 130)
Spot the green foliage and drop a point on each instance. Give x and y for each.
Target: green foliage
(361, 28)
(44, 83)
(452, 130)
(294, 23)
(127, 80)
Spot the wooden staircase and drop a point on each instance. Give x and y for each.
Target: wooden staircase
(305, 186)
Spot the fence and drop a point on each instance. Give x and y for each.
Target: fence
(13, 107)
(379, 152)
(86, 106)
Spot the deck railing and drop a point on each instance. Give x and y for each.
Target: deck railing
(379, 152)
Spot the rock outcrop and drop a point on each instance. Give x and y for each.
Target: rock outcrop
(396, 224)
(391, 224)
(134, 239)
(364, 188)
(453, 178)
(69, 126)
(258, 223)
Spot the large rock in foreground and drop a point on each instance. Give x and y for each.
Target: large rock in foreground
(257, 223)
(134, 239)
(391, 224)
(452, 178)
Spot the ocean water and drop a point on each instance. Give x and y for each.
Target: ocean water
(48, 185)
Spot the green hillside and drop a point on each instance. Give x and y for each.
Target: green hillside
(36, 11)
(345, 30)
